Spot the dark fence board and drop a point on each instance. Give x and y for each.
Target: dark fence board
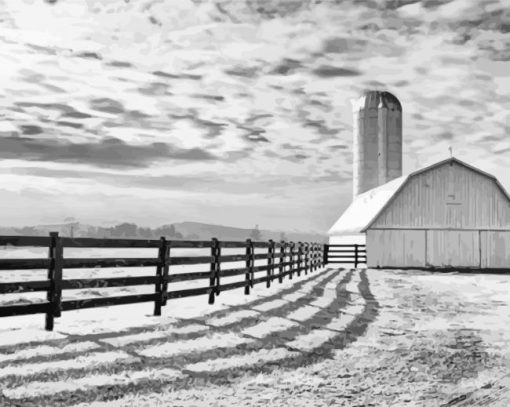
(343, 257)
(347, 251)
(24, 286)
(233, 272)
(74, 263)
(24, 264)
(107, 301)
(260, 280)
(232, 258)
(232, 245)
(260, 245)
(188, 292)
(40, 241)
(86, 242)
(190, 260)
(260, 256)
(232, 286)
(345, 245)
(175, 278)
(24, 309)
(190, 244)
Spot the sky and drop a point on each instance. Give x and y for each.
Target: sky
(235, 112)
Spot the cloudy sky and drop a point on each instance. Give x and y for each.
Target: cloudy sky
(235, 112)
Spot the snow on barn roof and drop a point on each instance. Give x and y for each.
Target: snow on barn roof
(366, 207)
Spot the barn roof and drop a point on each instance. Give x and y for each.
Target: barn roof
(366, 207)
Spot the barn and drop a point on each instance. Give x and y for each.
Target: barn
(449, 214)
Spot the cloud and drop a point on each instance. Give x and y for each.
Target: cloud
(31, 130)
(107, 105)
(109, 152)
(286, 67)
(328, 71)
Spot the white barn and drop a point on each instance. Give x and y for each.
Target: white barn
(449, 214)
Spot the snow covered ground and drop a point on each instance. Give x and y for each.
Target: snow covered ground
(333, 337)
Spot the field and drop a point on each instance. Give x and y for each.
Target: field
(334, 337)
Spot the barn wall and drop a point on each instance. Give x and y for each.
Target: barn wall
(495, 249)
(453, 248)
(438, 248)
(449, 196)
(395, 248)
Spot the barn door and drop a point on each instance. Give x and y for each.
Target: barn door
(453, 248)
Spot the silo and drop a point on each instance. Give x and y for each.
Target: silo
(377, 126)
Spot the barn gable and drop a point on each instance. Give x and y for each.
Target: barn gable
(449, 194)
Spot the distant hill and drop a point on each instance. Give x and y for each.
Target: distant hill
(201, 231)
(178, 231)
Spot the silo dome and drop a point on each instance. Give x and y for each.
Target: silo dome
(377, 135)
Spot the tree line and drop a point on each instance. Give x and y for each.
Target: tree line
(126, 230)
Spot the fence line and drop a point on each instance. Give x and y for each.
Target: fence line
(293, 259)
(348, 254)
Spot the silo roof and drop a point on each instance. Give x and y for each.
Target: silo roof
(375, 99)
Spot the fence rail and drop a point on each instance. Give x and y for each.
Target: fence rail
(283, 259)
(345, 254)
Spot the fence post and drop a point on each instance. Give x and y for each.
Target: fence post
(214, 279)
(249, 266)
(355, 256)
(54, 295)
(325, 254)
(314, 256)
(300, 259)
(291, 259)
(270, 263)
(218, 267)
(282, 260)
(166, 272)
(161, 275)
(319, 255)
(307, 258)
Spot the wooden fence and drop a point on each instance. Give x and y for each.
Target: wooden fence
(345, 254)
(283, 259)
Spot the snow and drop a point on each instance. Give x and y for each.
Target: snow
(9, 336)
(312, 340)
(81, 362)
(433, 334)
(231, 318)
(45, 388)
(44, 350)
(270, 305)
(158, 334)
(251, 358)
(201, 344)
(268, 327)
(303, 313)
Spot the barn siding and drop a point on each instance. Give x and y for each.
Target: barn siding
(395, 248)
(453, 248)
(495, 249)
(449, 196)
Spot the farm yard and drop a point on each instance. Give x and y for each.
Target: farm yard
(333, 337)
